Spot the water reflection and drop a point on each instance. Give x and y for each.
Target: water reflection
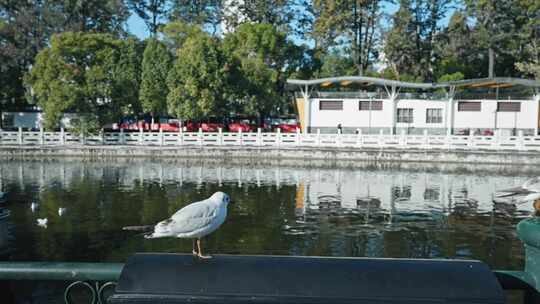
(368, 210)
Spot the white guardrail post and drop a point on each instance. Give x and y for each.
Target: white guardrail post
(141, 136)
(161, 140)
(359, 141)
(220, 137)
(402, 139)
(240, 140)
(181, 136)
(20, 136)
(521, 141)
(425, 141)
(318, 142)
(62, 136)
(200, 137)
(41, 136)
(470, 142)
(259, 137)
(298, 141)
(381, 139)
(122, 137)
(338, 138)
(278, 137)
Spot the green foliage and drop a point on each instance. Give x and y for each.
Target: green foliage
(451, 77)
(196, 81)
(262, 55)
(127, 78)
(156, 64)
(400, 48)
(350, 26)
(176, 33)
(87, 74)
(206, 13)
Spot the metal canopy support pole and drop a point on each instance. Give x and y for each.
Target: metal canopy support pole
(307, 108)
(392, 95)
(450, 110)
(537, 103)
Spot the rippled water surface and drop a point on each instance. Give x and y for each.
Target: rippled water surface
(374, 210)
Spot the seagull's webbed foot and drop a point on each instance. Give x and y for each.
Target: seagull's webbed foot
(204, 257)
(200, 255)
(194, 250)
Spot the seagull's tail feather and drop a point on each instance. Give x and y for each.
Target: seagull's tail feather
(146, 228)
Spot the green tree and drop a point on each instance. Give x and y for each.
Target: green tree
(196, 81)
(496, 33)
(79, 73)
(400, 49)
(455, 50)
(156, 64)
(264, 59)
(26, 27)
(349, 25)
(177, 32)
(126, 77)
(529, 63)
(202, 13)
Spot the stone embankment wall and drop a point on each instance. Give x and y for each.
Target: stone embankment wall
(297, 153)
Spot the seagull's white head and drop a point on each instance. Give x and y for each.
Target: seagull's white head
(221, 197)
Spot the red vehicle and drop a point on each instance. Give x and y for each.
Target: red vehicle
(211, 126)
(241, 125)
(288, 126)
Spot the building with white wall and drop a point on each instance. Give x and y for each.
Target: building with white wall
(374, 105)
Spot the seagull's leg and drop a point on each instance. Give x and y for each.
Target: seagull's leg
(194, 250)
(200, 255)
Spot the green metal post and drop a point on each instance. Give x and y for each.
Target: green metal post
(529, 232)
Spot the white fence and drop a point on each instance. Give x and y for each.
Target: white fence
(260, 139)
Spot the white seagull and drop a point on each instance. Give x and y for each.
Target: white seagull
(61, 211)
(529, 191)
(193, 221)
(42, 222)
(34, 206)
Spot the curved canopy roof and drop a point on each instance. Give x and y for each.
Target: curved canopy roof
(497, 82)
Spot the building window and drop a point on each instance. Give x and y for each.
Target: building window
(376, 105)
(508, 106)
(469, 106)
(434, 116)
(335, 105)
(405, 115)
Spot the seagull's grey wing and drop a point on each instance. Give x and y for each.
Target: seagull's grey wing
(193, 217)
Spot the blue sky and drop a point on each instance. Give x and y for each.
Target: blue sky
(137, 27)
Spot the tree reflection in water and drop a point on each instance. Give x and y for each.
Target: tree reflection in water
(376, 210)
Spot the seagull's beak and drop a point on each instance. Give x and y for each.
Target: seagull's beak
(232, 202)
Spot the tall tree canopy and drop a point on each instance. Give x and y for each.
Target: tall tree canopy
(156, 64)
(264, 57)
(196, 81)
(350, 25)
(85, 74)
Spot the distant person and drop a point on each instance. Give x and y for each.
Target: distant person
(339, 128)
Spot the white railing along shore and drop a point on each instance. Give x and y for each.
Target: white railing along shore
(276, 140)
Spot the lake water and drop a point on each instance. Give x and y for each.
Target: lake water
(364, 210)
